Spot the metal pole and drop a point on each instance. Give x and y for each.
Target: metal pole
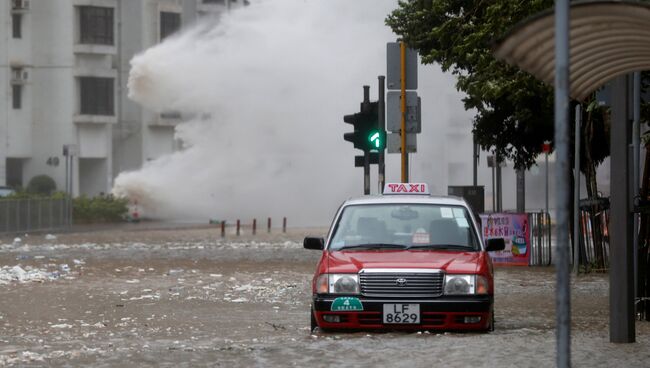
(576, 194)
(499, 183)
(67, 175)
(381, 165)
(563, 298)
(70, 209)
(475, 162)
(636, 142)
(366, 173)
(546, 159)
(366, 155)
(621, 224)
(405, 174)
(494, 193)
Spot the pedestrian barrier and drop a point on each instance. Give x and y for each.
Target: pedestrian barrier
(239, 226)
(594, 234)
(540, 238)
(29, 215)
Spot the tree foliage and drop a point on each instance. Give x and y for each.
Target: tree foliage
(514, 111)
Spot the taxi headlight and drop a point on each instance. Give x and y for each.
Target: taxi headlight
(466, 284)
(344, 284)
(459, 284)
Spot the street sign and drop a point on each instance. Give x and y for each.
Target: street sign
(394, 112)
(393, 67)
(394, 143)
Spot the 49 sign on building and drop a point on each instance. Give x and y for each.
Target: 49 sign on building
(513, 228)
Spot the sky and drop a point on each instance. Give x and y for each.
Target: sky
(265, 88)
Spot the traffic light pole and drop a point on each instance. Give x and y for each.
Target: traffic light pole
(366, 173)
(382, 127)
(366, 154)
(405, 175)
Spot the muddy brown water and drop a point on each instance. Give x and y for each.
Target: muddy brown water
(187, 297)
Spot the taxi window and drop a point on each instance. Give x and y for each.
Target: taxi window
(407, 225)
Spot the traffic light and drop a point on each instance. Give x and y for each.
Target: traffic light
(356, 136)
(377, 139)
(366, 135)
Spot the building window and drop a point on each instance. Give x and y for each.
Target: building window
(17, 96)
(96, 96)
(96, 25)
(169, 23)
(17, 25)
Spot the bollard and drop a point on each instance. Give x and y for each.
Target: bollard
(268, 225)
(223, 229)
(237, 227)
(284, 224)
(254, 226)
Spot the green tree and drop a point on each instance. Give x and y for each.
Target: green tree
(514, 111)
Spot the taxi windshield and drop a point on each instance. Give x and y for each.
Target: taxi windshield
(404, 226)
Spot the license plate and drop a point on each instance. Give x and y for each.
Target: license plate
(401, 313)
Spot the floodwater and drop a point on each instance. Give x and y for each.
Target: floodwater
(186, 297)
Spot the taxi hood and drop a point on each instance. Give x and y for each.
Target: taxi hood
(349, 261)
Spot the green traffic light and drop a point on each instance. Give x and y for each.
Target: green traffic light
(376, 139)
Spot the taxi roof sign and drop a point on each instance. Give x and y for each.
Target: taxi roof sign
(406, 188)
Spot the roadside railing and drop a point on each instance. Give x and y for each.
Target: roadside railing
(594, 234)
(31, 215)
(540, 238)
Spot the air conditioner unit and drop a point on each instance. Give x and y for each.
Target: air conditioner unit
(19, 76)
(19, 4)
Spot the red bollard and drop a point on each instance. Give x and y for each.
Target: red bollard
(223, 229)
(238, 227)
(254, 226)
(268, 225)
(284, 224)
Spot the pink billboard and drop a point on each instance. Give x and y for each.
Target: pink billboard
(514, 229)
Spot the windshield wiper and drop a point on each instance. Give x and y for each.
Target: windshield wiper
(441, 246)
(374, 246)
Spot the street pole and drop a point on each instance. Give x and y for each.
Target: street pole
(636, 142)
(497, 163)
(366, 173)
(381, 165)
(475, 162)
(366, 155)
(576, 194)
(68, 200)
(563, 297)
(494, 192)
(546, 159)
(405, 176)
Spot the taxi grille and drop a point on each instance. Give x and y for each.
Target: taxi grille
(387, 284)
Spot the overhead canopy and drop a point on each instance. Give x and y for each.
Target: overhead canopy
(607, 39)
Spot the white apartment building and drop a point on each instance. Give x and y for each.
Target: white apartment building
(64, 66)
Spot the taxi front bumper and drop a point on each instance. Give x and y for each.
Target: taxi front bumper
(443, 313)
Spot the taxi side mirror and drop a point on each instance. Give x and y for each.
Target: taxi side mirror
(314, 243)
(495, 244)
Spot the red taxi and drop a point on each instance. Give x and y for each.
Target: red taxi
(403, 260)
